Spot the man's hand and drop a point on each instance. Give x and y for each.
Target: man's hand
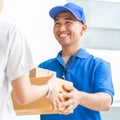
(71, 100)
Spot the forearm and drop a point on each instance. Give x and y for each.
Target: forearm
(31, 94)
(34, 93)
(98, 101)
(24, 92)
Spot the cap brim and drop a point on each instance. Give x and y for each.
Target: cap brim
(54, 11)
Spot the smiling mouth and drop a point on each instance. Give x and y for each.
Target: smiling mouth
(62, 35)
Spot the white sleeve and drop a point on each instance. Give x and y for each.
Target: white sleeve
(19, 58)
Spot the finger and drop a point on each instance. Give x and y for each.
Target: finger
(67, 88)
(67, 103)
(67, 110)
(54, 102)
(67, 96)
(60, 97)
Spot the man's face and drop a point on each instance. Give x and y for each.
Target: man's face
(67, 29)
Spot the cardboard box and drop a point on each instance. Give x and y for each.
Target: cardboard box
(39, 76)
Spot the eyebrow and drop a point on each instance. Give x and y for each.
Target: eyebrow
(69, 18)
(66, 18)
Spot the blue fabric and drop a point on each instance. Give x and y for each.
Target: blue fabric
(76, 10)
(89, 74)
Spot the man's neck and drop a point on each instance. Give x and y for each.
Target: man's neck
(67, 52)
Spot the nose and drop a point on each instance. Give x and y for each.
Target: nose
(62, 27)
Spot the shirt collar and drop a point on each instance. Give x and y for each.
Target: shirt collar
(82, 54)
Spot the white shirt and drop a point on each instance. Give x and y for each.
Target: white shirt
(15, 60)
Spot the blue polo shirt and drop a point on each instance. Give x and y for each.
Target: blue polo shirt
(89, 74)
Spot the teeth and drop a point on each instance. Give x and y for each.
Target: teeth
(63, 35)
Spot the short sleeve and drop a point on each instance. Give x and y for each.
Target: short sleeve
(19, 55)
(103, 78)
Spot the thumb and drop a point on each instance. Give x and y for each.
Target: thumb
(68, 88)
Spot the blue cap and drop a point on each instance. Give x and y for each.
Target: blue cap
(76, 10)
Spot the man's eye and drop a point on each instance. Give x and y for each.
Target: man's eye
(68, 22)
(57, 23)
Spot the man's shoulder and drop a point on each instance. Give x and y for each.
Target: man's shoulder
(46, 62)
(99, 61)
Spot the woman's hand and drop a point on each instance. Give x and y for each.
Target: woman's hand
(54, 93)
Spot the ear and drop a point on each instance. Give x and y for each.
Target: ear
(83, 29)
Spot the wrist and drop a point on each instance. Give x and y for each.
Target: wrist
(49, 91)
